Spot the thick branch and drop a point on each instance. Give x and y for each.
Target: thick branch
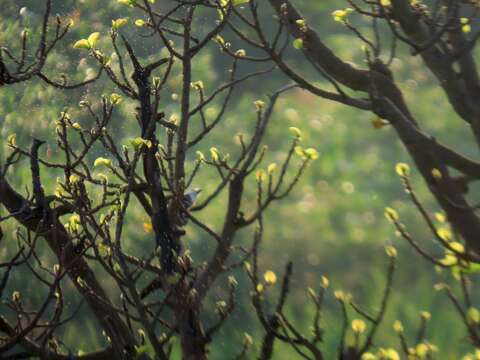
(60, 243)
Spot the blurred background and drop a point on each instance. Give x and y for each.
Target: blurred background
(332, 224)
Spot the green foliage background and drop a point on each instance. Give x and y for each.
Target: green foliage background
(333, 223)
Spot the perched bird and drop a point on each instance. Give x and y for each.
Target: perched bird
(189, 199)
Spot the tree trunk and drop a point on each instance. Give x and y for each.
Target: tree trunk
(192, 337)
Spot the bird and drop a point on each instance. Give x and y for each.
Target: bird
(189, 199)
